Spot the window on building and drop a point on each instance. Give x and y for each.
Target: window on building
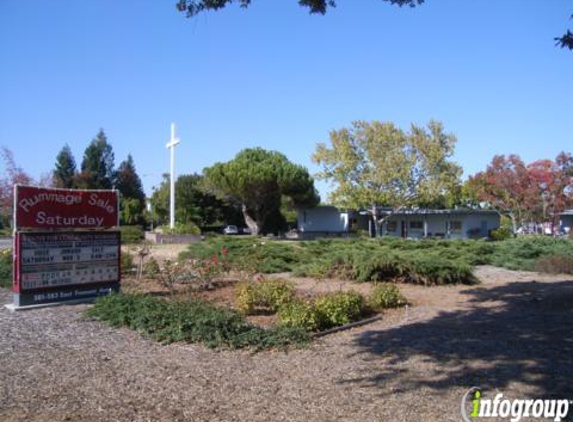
(391, 226)
(416, 225)
(455, 226)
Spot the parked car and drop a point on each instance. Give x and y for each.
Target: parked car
(246, 230)
(230, 230)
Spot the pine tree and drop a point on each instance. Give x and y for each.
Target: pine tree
(97, 165)
(129, 184)
(65, 171)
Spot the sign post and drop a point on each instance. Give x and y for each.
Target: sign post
(64, 250)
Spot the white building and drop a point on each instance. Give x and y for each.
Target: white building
(327, 221)
(566, 221)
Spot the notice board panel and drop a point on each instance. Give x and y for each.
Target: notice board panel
(60, 266)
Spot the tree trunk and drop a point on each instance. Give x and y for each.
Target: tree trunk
(251, 224)
(377, 224)
(513, 223)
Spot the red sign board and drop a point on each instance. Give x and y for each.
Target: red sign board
(47, 208)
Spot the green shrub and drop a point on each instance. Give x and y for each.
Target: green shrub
(151, 268)
(126, 263)
(6, 268)
(193, 321)
(300, 314)
(431, 269)
(131, 234)
(555, 264)
(502, 233)
(267, 295)
(339, 308)
(249, 254)
(385, 296)
(179, 228)
(522, 253)
(428, 262)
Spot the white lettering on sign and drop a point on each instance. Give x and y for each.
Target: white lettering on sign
(94, 200)
(50, 260)
(43, 218)
(69, 199)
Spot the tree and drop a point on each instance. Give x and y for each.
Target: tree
(12, 175)
(97, 164)
(258, 179)
(132, 204)
(566, 40)
(536, 193)
(160, 201)
(377, 164)
(551, 186)
(193, 203)
(505, 185)
(194, 7)
(65, 172)
(197, 205)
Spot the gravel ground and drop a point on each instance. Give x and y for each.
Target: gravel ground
(511, 334)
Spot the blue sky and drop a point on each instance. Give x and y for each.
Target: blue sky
(276, 77)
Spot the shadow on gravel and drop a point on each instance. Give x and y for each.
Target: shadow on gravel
(520, 332)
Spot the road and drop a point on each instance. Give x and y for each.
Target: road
(5, 242)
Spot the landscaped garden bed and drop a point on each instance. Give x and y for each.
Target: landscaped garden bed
(216, 293)
(210, 302)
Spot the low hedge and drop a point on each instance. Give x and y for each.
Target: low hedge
(6, 268)
(268, 295)
(193, 321)
(131, 234)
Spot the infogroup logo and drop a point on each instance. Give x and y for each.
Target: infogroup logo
(474, 406)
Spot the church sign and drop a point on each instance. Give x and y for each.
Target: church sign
(42, 208)
(56, 258)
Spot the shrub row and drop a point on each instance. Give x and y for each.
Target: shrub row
(327, 311)
(385, 259)
(193, 321)
(131, 234)
(6, 268)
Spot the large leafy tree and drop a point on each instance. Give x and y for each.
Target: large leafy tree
(537, 192)
(199, 206)
(194, 7)
(65, 169)
(258, 179)
(11, 175)
(98, 164)
(551, 190)
(193, 204)
(128, 182)
(505, 185)
(375, 164)
(160, 202)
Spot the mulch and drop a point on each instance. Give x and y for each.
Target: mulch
(510, 334)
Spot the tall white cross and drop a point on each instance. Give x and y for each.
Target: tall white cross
(174, 141)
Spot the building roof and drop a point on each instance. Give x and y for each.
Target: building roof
(430, 211)
(413, 211)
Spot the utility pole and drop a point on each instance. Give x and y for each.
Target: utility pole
(171, 145)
